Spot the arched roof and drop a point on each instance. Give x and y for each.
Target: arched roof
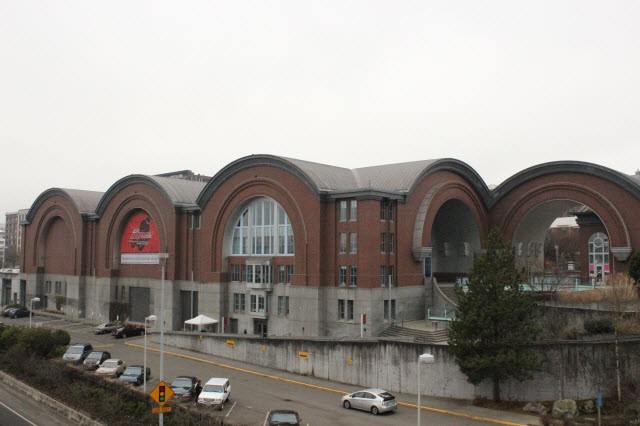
(630, 183)
(181, 192)
(395, 179)
(85, 201)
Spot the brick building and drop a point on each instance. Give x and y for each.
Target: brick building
(280, 246)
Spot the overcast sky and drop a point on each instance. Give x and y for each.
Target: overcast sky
(91, 92)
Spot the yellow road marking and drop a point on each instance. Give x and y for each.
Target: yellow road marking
(309, 385)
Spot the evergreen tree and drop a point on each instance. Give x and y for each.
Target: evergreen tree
(634, 270)
(495, 320)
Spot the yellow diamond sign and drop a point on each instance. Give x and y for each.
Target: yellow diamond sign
(162, 393)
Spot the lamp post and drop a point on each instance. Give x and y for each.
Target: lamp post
(35, 299)
(144, 373)
(422, 359)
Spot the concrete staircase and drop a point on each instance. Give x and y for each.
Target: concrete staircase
(420, 336)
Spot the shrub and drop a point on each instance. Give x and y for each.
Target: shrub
(598, 326)
(60, 337)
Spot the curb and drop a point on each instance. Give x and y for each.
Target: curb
(69, 412)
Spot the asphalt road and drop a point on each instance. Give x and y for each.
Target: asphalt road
(16, 409)
(255, 390)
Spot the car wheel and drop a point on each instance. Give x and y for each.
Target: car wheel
(374, 410)
(346, 404)
(221, 406)
(142, 333)
(124, 336)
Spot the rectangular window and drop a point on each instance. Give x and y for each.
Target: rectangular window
(235, 272)
(195, 220)
(391, 242)
(342, 245)
(48, 286)
(390, 279)
(383, 275)
(386, 310)
(353, 243)
(239, 302)
(350, 310)
(341, 309)
(383, 243)
(58, 287)
(289, 273)
(343, 211)
(342, 275)
(281, 273)
(283, 305)
(353, 276)
(257, 304)
(392, 210)
(353, 210)
(393, 309)
(383, 210)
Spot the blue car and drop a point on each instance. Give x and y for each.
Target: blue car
(19, 313)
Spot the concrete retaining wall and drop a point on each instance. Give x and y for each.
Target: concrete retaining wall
(576, 370)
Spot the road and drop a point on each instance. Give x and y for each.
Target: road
(256, 390)
(18, 410)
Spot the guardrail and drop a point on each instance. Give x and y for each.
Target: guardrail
(441, 314)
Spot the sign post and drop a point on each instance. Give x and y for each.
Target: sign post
(161, 394)
(599, 405)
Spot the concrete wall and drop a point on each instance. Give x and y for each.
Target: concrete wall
(575, 370)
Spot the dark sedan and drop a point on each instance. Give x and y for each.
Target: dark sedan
(133, 374)
(128, 331)
(19, 313)
(186, 388)
(95, 359)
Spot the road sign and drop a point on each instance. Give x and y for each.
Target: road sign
(166, 409)
(599, 400)
(162, 393)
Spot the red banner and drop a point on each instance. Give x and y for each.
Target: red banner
(140, 235)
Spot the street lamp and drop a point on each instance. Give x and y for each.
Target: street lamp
(422, 359)
(35, 299)
(144, 373)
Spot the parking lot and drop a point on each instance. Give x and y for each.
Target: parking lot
(256, 390)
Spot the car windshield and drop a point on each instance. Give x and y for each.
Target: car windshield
(213, 388)
(75, 350)
(93, 355)
(284, 418)
(110, 364)
(181, 383)
(132, 371)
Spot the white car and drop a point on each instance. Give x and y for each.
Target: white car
(215, 392)
(111, 368)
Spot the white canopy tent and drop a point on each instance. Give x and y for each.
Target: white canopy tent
(200, 321)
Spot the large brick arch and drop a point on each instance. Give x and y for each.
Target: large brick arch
(54, 209)
(238, 197)
(56, 237)
(588, 196)
(113, 221)
(435, 198)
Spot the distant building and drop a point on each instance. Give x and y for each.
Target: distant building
(13, 236)
(186, 175)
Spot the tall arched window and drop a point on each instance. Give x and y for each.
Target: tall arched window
(598, 256)
(262, 228)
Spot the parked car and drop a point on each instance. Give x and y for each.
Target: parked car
(111, 368)
(133, 374)
(215, 392)
(6, 309)
(19, 313)
(128, 331)
(283, 417)
(106, 327)
(95, 359)
(186, 388)
(77, 352)
(374, 400)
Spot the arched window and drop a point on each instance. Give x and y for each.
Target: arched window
(598, 256)
(262, 228)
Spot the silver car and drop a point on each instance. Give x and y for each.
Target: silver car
(374, 400)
